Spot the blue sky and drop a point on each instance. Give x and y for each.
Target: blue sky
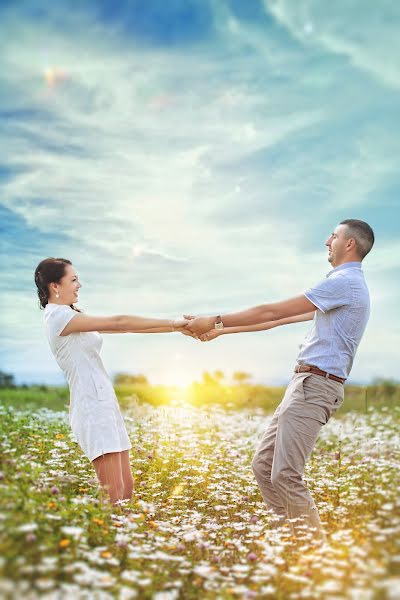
(193, 156)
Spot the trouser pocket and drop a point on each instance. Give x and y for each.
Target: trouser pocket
(335, 400)
(324, 396)
(294, 391)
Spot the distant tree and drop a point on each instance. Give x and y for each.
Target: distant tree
(215, 378)
(388, 386)
(218, 376)
(208, 379)
(6, 380)
(240, 377)
(129, 379)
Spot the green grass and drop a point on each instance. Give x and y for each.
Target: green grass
(357, 398)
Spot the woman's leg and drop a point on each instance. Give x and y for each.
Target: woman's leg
(126, 475)
(109, 473)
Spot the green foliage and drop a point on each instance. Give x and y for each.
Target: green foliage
(241, 377)
(6, 380)
(386, 387)
(213, 378)
(128, 379)
(209, 391)
(35, 396)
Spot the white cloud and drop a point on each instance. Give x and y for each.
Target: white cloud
(365, 32)
(170, 171)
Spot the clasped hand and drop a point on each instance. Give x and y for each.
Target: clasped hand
(200, 328)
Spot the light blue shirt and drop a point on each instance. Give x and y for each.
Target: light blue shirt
(343, 304)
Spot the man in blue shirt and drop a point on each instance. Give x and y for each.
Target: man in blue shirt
(339, 306)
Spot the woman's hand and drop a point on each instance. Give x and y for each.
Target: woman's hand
(204, 337)
(179, 324)
(187, 331)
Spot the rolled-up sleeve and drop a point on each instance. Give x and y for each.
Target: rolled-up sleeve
(59, 318)
(329, 293)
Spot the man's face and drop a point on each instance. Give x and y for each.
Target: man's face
(337, 244)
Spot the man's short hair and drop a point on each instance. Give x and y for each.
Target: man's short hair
(362, 233)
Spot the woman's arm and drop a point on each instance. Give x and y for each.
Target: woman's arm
(168, 329)
(210, 335)
(150, 330)
(113, 331)
(122, 324)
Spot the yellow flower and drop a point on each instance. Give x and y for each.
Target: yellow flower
(59, 435)
(64, 543)
(98, 521)
(106, 554)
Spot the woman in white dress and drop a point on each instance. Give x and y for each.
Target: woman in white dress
(74, 338)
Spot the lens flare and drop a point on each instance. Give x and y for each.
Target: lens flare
(53, 76)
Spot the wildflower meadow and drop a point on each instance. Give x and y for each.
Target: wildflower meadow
(197, 526)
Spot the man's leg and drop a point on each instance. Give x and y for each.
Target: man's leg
(263, 460)
(308, 408)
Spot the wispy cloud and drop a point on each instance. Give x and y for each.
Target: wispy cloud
(190, 172)
(364, 32)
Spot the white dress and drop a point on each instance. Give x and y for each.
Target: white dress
(94, 413)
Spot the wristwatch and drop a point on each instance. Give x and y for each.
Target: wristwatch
(218, 323)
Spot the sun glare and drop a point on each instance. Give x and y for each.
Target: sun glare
(54, 75)
(177, 379)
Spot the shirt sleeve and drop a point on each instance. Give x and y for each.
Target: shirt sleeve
(59, 318)
(329, 293)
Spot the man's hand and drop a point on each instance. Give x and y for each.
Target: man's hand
(210, 335)
(200, 325)
(187, 332)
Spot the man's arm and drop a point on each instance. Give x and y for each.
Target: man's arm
(268, 324)
(270, 312)
(262, 313)
(214, 333)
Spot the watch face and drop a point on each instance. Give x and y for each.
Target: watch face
(219, 325)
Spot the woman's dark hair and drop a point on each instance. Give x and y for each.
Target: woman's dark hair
(50, 270)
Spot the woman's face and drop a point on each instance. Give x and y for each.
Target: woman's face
(67, 288)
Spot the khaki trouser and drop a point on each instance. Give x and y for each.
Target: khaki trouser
(278, 464)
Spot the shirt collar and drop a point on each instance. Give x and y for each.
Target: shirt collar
(348, 265)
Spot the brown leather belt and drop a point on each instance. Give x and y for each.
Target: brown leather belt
(317, 371)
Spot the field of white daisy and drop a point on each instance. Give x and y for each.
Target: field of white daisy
(196, 526)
